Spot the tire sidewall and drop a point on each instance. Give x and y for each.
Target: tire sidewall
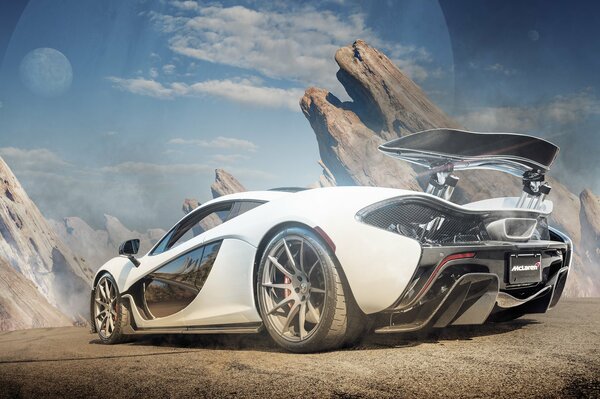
(327, 259)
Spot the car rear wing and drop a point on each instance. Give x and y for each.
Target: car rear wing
(446, 150)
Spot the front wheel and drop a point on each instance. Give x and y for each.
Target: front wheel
(301, 296)
(108, 311)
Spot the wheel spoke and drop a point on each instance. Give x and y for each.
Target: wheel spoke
(282, 303)
(293, 312)
(289, 254)
(281, 268)
(102, 293)
(302, 256)
(313, 314)
(104, 325)
(100, 302)
(302, 321)
(107, 290)
(280, 286)
(312, 268)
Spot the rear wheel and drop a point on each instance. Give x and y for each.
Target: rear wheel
(301, 296)
(108, 311)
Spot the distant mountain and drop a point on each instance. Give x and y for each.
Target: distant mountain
(98, 246)
(386, 104)
(30, 246)
(22, 305)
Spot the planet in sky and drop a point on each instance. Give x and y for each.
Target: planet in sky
(534, 35)
(46, 72)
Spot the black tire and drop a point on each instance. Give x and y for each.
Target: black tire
(338, 318)
(118, 314)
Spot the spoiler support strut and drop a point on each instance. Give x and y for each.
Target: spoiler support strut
(535, 190)
(442, 181)
(445, 150)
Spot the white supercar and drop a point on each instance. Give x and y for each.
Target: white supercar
(318, 268)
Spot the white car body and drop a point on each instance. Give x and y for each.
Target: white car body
(387, 270)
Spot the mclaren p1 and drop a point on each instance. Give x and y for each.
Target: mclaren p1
(318, 268)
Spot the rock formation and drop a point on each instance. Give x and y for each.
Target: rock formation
(98, 246)
(225, 184)
(385, 99)
(22, 305)
(385, 105)
(32, 249)
(189, 204)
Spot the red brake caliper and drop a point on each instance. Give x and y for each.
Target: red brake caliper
(287, 280)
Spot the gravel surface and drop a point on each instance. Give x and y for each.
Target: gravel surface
(551, 355)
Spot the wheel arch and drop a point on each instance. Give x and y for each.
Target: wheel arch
(274, 231)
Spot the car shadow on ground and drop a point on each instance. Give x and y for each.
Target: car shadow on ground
(439, 335)
(371, 341)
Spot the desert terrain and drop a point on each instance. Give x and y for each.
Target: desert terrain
(552, 355)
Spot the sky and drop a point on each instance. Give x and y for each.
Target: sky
(126, 108)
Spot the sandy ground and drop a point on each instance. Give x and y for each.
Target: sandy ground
(551, 355)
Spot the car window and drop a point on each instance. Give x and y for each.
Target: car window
(196, 223)
(241, 207)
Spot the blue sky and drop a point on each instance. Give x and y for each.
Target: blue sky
(164, 92)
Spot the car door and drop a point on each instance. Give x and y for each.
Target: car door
(173, 273)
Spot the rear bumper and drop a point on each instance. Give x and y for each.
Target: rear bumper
(467, 284)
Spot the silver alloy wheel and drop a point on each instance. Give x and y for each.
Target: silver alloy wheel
(294, 288)
(105, 307)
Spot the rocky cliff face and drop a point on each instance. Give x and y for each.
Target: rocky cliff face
(386, 104)
(225, 184)
(98, 246)
(22, 305)
(32, 249)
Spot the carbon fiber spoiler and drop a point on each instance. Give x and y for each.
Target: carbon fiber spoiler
(459, 150)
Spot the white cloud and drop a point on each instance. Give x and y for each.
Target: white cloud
(499, 68)
(145, 168)
(293, 44)
(168, 69)
(186, 5)
(218, 142)
(228, 158)
(556, 113)
(245, 91)
(153, 73)
(110, 133)
(496, 68)
(141, 86)
(40, 159)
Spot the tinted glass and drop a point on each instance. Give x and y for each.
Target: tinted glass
(196, 223)
(175, 285)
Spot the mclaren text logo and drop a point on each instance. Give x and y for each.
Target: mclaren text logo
(522, 268)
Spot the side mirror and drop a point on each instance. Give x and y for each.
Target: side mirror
(130, 248)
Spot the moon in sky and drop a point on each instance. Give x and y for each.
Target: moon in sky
(46, 72)
(534, 35)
